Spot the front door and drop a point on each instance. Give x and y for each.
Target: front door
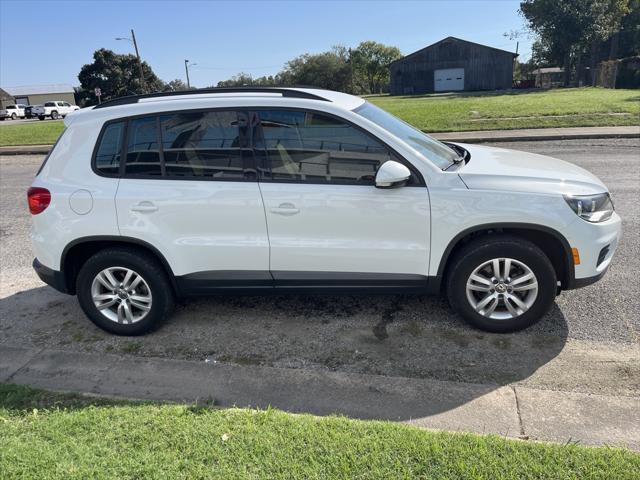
(190, 189)
(328, 224)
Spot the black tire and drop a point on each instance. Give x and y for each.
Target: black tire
(146, 266)
(14, 116)
(40, 117)
(485, 249)
(54, 115)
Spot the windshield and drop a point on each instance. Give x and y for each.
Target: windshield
(430, 148)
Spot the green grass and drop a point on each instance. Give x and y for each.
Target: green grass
(45, 435)
(35, 133)
(581, 107)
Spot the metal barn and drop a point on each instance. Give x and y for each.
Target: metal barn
(452, 64)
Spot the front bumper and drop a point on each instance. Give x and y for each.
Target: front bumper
(596, 244)
(51, 277)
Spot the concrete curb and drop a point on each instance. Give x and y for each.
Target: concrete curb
(517, 412)
(527, 135)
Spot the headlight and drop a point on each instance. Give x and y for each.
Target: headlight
(592, 208)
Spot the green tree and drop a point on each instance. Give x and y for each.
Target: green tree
(245, 79)
(176, 85)
(567, 28)
(330, 70)
(116, 75)
(371, 66)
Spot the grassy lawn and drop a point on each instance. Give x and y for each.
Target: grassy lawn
(510, 110)
(34, 133)
(47, 435)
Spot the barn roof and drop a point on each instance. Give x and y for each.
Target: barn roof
(38, 89)
(457, 40)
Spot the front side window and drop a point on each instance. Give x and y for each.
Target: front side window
(202, 145)
(143, 147)
(312, 147)
(110, 148)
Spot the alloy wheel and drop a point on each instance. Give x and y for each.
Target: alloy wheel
(502, 288)
(121, 295)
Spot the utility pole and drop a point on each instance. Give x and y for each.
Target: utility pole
(143, 85)
(186, 69)
(135, 45)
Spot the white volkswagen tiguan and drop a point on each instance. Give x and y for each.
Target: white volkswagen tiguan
(150, 198)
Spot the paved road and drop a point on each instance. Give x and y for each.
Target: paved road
(588, 343)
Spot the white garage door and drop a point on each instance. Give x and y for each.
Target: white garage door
(448, 79)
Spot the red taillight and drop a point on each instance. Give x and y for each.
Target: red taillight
(39, 199)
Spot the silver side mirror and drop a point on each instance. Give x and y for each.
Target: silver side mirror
(392, 174)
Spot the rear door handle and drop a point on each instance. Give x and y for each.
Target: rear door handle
(144, 207)
(285, 209)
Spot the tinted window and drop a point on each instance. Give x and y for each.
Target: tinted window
(315, 148)
(143, 153)
(110, 148)
(11, 107)
(66, 104)
(202, 145)
(50, 104)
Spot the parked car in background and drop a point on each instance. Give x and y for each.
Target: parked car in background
(13, 112)
(54, 110)
(28, 111)
(149, 198)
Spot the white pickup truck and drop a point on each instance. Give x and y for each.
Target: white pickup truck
(54, 110)
(12, 111)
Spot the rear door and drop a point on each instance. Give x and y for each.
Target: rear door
(328, 224)
(189, 189)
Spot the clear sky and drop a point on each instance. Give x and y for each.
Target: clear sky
(43, 42)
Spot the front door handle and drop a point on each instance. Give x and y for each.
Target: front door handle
(144, 207)
(285, 209)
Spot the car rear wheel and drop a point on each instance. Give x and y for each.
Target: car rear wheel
(54, 115)
(124, 291)
(501, 283)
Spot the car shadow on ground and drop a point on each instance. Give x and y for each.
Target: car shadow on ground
(388, 335)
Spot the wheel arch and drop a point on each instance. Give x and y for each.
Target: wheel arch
(78, 251)
(550, 241)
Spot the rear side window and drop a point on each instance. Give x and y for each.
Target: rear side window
(202, 145)
(143, 147)
(110, 149)
(310, 147)
(50, 104)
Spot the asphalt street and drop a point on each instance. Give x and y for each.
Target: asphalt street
(588, 343)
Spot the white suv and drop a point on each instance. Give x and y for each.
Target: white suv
(145, 199)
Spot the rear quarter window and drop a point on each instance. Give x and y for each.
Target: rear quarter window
(109, 149)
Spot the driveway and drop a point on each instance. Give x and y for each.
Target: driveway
(588, 343)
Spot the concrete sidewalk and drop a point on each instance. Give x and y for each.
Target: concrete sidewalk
(512, 411)
(463, 137)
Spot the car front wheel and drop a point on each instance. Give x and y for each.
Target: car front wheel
(124, 291)
(13, 116)
(501, 283)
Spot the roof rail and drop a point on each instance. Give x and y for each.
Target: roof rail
(286, 92)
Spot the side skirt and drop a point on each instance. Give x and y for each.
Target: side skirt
(251, 282)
